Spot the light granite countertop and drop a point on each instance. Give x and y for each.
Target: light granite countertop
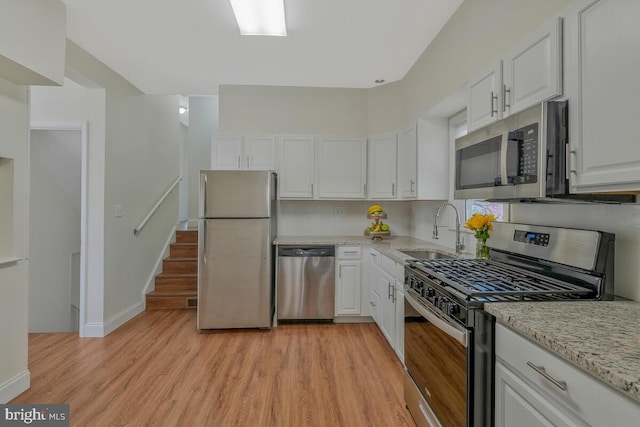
(601, 337)
(390, 246)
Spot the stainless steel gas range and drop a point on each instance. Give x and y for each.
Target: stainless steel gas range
(449, 345)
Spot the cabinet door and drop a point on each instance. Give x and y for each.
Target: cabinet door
(518, 404)
(388, 314)
(484, 104)
(602, 84)
(382, 166)
(369, 279)
(408, 163)
(259, 152)
(226, 152)
(399, 321)
(296, 170)
(532, 70)
(342, 168)
(348, 288)
(375, 304)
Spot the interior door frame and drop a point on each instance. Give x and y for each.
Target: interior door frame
(82, 127)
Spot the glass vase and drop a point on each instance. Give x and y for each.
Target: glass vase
(482, 250)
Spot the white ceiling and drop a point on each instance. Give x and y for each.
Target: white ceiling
(192, 46)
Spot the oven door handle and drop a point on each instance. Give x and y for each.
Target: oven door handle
(447, 328)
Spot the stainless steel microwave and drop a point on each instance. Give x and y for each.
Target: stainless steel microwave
(521, 157)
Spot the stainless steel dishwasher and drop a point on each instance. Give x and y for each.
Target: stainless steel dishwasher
(306, 282)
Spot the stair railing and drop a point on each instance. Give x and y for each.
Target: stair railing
(153, 210)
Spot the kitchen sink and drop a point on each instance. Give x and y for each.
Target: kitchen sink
(426, 254)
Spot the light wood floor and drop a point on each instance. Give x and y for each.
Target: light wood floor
(157, 370)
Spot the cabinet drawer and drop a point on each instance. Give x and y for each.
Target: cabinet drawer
(349, 252)
(388, 265)
(586, 396)
(375, 255)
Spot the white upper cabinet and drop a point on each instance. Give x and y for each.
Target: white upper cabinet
(296, 172)
(532, 69)
(433, 159)
(235, 152)
(485, 96)
(342, 168)
(408, 163)
(382, 166)
(529, 73)
(259, 152)
(226, 152)
(602, 68)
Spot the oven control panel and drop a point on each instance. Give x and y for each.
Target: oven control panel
(531, 238)
(432, 293)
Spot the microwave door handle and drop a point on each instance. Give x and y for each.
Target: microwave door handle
(504, 146)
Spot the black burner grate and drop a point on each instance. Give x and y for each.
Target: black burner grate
(492, 281)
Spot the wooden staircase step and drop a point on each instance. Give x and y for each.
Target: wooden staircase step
(176, 282)
(183, 250)
(180, 265)
(187, 236)
(172, 301)
(176, 288)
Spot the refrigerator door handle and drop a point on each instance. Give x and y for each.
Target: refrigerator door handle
(203, 194)
(204, 241)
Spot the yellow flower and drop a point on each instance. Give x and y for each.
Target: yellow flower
(481, 224)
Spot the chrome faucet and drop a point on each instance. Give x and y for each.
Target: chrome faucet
(459, 245)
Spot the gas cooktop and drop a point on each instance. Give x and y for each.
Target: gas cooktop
(484, 280)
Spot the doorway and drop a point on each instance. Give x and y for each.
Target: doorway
(56, 226)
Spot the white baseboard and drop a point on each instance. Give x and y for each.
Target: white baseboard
(151, 280)
(114, 322)
(193, 223)
(99, 330)
(353, 319)
(94, 330)
(15, 386)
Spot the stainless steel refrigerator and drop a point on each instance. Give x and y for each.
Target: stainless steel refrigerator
(236, 227)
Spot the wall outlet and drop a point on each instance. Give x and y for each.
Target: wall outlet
(338, 211)
(118, 211)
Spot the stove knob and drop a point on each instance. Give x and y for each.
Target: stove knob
(431, 292)
(450, 308)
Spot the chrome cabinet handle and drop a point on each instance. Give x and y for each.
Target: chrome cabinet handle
(393, 189)
(493, 96)
(412, 184)
(562, 385)
(390, 292)
(350, 252)
(248, 163)
(373, 304)
(505, 98)
(238, 162)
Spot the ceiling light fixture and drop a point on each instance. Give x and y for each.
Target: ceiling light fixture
(260, 17)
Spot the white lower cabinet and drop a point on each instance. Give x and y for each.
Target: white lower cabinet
(534, 387)
(348, 281)
(385, 277)
(519, 404)
(388, 318)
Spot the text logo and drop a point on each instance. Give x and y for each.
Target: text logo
(34, 415)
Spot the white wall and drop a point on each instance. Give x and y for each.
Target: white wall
(54, 226)
(32, 41)
(278, 110)
(14, 134)
(141, 160)
(73, 103)
(316, 217)
(203, 124)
